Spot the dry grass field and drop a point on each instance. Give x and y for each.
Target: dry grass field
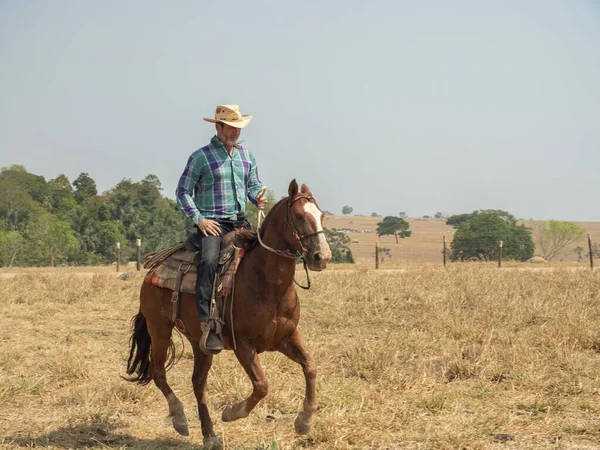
(417, 358)
(425, 244)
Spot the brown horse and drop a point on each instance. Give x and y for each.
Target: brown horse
(266, 310)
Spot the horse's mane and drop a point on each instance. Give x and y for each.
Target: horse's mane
(244, 238)
(247, 239)
(270, 216)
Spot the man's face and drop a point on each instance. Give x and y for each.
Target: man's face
(227, 134)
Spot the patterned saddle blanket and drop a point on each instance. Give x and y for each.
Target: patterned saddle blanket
(177, 264)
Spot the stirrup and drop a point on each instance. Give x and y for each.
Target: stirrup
(211, 342)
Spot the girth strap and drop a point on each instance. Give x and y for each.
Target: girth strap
(176, 296)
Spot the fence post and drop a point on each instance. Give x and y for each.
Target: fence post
(499, 254)
(590, 247)
(444, 251)
(118, 255)
(138, 253)
(377, 255)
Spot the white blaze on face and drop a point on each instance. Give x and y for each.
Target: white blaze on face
(312, 210)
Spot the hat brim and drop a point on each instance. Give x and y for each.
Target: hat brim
(243, 123)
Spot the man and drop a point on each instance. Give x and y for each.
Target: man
(212, 191)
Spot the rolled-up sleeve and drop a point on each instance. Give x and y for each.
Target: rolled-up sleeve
(185, 189)
(254, 183)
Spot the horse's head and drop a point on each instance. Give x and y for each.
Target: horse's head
(305, 230)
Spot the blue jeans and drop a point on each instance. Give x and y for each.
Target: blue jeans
(206, 261)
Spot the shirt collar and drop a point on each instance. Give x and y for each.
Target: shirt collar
(219, 145)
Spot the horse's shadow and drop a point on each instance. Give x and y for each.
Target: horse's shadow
(93, 434)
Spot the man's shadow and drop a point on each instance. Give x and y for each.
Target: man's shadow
(95, 433)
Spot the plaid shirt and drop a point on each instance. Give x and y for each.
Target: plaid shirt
(215, 185)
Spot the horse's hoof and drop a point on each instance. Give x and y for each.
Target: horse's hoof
(212, 442)
(301, 426)
(227, 413)
(181, 426)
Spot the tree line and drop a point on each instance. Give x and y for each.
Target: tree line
(58, 222)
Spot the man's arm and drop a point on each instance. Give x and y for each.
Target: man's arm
(185, 190)
(254, 184)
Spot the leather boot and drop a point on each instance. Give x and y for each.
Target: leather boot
(211, 342)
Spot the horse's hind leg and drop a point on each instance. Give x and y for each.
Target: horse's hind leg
(248, 358)
(293, 349)
(161, 339)
(202, 365)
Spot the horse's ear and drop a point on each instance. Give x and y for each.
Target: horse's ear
(293, 189)
(305, 190)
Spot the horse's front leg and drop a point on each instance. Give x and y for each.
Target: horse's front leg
(248, 358)
(293, 349)
(202, 364)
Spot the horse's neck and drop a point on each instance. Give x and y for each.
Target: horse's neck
(274, 237)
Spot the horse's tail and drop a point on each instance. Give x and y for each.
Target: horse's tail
(140, 345)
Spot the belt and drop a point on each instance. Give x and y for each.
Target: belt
(238, 221)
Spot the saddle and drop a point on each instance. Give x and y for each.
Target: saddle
(175, 269)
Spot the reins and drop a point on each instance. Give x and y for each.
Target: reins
(287, 253)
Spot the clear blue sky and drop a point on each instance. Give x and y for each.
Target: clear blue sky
(385, 106)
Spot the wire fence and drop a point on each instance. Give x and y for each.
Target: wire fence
(490, 251)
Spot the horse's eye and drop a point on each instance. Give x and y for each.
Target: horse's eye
(299, 216)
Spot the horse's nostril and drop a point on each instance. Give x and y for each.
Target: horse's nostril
(318, 257)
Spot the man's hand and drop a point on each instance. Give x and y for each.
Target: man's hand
(261, 202)
(209, 227)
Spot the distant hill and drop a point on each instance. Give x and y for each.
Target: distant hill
(425, 244)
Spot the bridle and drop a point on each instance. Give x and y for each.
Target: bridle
(289, 222)
(299, 237)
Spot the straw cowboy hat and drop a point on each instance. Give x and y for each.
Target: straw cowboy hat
(230, 115)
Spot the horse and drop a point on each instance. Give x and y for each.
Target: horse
(266, 308)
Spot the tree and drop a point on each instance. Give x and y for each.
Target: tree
(124, 209)
(11, 244)
(85, 187)
(477, 238)
(347, 210)
(438, 215)
(402, 215)
(552, 238)
(396, 226)
(152, 180)
(34, 185)
(162, 227)
(148, 190)
(17, 207)
(108, 236)
(51, 241)
(60, 191)
(85, 227)
(339, 244)
(21, 197)
(374, 214)
(456, 219)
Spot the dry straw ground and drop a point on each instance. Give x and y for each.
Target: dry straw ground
(469, 357)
